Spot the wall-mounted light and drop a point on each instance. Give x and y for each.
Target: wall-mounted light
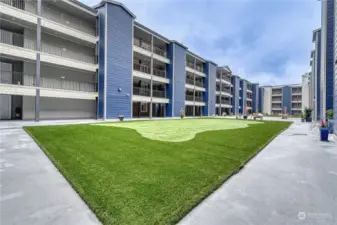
(119, 89)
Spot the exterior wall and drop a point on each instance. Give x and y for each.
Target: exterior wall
(286, 99)
(260, 100)
(330, 54)
(267, 92)
(305, 91)
(255, 105)
(236, 95)
(211, 86)
(101, 63)
(57, 108)
(243, 95)
(169, 87)
(335, 79)
(119, 62)
(179, 78)
(317, 76)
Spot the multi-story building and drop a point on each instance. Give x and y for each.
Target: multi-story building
(223, 91)
(327, 56)
(48, 60)
(281, 99)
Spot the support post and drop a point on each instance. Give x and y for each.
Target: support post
(38, 66)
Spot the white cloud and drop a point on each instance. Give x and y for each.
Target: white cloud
(284, 30)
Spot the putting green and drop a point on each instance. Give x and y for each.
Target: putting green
(179, 130)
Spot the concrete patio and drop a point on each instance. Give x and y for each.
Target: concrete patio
(292, 181)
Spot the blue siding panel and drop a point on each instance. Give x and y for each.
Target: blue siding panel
(286, 99)
(119, 62)
(211, 86)
(255, 99)
(236, 95)
(101, 61)
(318, 76)
(330, 55)
(179, 75)
(260, 97)
(169, 89)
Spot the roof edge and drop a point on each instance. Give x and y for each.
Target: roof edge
(103, 2)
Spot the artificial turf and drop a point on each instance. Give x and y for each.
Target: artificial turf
(128, 179)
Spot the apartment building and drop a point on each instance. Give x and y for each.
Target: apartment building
(48, 60)
(281, 99)
(62, 59)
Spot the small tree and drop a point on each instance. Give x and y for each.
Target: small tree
(182, 113)
(329, 114)
(307, 113)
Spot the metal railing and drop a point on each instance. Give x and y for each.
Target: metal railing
(142, 68)
(159, 93)
(189, 81)
(199, 99)
(222, 102)
(159, 51)
(141, 91)
(159, 72)
(276, 99)
(142, 44)
(54, 15)
(199, 84)
(19, 78)
(189, 97)
(190, 64)
(199, 68)
(20, 40)
(226, 90)
(276, 93)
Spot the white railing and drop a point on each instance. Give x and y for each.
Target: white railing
(142, 44)
(159, 93)
(141, 68)
(19, 78)
(20, 40)
(159, 73)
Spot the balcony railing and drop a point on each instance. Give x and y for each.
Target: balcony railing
(189, 81)
(226, 90)
(276, 93)
(19, 78)
(199, 99)
(159, 72)
(189, 97)
(190, 64)
(159, 51)
(199, 68)
(53, 15)
(159, 93)
(20, 40)
(224, 102)
(141, 91)
(142, 44)
(141, 68)
(199, 84)
(225, 78)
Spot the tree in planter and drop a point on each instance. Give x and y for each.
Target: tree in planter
(329, 116)
(307, 114)
(302, 116)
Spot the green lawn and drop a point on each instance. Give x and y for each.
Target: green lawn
(126, 178)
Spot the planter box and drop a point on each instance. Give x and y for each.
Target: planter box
(324, 133)
(245, 117)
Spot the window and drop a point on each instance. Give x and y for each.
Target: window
(143, 107)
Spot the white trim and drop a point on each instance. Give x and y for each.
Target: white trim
(80, 8)
(195, 56)
(105, 60)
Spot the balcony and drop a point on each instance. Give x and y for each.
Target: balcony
(158, 93)
(189, 81)
(190, 64)
(55, 16)
(199, 68)
(141, 91)
(19, 40)
(141, 68)
(199, 83)
(23, 79)
(159, 73)
(189, 97)
(142, 44)
(199, 98)
(224, 102)
(276, 93)
(160, 51)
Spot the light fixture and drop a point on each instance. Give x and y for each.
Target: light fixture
(63, 77)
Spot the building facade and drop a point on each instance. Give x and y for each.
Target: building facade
(282, 99)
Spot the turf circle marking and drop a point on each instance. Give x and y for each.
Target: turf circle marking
(179, 130)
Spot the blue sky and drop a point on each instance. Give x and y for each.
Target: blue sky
(265, 41)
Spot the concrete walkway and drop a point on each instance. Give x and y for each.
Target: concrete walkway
(292, 181)
(32, 191)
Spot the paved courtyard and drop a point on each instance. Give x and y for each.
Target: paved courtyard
(292, 181)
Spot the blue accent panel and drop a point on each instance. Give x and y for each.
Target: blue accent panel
(236, 95)
(179, 75)
(101, 61)
(286, 98)
(318, 76)
(169, 87)
(260, 103)
(119, 62)
(210, 89)
(255, 99)
(243, 96)
(330, 55)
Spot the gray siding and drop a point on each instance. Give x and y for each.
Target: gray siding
(179, 74)
(119, 62)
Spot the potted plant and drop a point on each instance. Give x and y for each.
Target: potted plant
(324, 131)
(121, 117)
(329, 116)
(302, 117)
(245, 115)
(307, 114)
(182, 113)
